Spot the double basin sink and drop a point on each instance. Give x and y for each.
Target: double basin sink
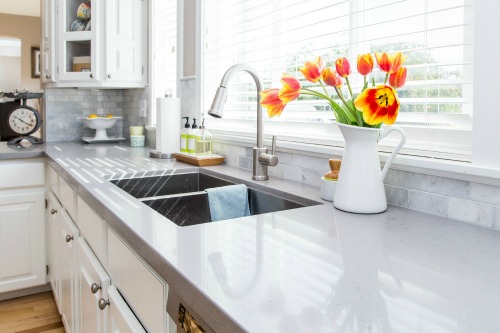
(181, 197)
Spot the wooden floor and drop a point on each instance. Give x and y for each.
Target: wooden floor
(30, 314)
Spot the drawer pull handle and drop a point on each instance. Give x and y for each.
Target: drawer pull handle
(53, 211)
(91, 76)
(48, 76)
(95, 288)
(69, 238)
(103, 303)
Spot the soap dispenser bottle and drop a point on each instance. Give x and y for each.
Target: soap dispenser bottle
(204, 143)
(185, 135)
(192, 136)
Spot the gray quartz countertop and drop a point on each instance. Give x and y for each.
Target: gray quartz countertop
(312, 269)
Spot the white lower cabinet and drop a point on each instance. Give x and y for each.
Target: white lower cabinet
(68, 235)
(99, 283)
(92, 283)
(22, 239)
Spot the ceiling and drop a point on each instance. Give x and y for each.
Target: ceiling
(20, 7)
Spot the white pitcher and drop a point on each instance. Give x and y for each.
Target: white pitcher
(360, 188)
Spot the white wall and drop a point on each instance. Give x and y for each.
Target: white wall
(10, 69)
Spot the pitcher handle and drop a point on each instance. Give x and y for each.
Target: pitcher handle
(383, 134)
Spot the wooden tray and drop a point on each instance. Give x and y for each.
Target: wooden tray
(199, 160)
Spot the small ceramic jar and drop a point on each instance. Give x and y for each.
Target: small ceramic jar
(137, 140)
(328, 189)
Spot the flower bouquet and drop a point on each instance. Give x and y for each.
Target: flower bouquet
(373, 106)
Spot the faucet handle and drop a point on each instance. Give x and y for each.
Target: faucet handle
(270, 159)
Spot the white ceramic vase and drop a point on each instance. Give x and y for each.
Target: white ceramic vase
(360, 188)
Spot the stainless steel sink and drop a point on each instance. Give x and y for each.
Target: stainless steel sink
(181, 197)
(146, 187)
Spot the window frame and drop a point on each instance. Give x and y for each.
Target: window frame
(485, 163)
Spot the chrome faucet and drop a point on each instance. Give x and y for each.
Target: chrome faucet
(261, 159)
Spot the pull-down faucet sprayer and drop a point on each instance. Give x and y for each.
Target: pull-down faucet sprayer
(261, 159)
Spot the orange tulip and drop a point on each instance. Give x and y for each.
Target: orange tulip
(290, 90)
(378, 104)
(269, 100)
(312, 69)
(331, 78)
(365, 64)
(390, 63)
(398, 79)
(343, 67)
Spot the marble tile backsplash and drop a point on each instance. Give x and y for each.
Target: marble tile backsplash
(461, 200)
(63, 107)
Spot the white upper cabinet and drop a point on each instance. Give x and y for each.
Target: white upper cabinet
(48, 61)
(99, 43)
(77, 58)
(125, 44)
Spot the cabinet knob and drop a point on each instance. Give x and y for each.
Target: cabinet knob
(48, 76)
(103, 303)
(69, 238)
(91, 76)
(95, 288)
(109, 76)
(53, 211)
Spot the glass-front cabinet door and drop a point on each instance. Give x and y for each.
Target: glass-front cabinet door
(78, 40)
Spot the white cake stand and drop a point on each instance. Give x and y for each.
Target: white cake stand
(100, 125)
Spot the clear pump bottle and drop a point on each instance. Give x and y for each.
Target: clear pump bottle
(204, 143)
(185, 135)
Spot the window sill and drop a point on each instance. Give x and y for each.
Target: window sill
(432, 166)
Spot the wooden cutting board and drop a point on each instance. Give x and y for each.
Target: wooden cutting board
(199, 160)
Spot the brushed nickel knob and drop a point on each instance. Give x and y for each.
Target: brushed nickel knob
(95, 288)
(53, 211)
(109, 76)
(91, 76)
(69, 238)
(48, 76)
(103, 303)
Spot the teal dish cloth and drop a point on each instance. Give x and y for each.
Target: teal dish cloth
(228, 202)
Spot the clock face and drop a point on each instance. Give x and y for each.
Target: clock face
(23, 120)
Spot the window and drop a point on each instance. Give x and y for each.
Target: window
(164, 51)
(277, 36)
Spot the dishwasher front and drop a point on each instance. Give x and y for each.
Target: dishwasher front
(187, 321)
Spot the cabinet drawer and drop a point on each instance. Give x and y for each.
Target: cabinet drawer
(67, 198)
(141, 289)
(52, 179)
(21, 173)
(92, 228)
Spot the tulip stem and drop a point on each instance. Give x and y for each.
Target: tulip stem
(324, 88)
(386, 77)
(345, 115)
(349, 86)
(351, 108)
